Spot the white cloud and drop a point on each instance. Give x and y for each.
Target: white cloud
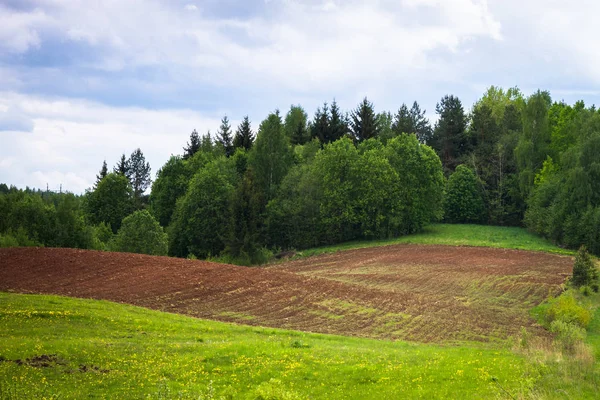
(19, 30)
(70, 139)
(298, 44)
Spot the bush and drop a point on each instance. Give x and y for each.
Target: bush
(141, 233)
(585, 290)
(567, 334)
(584, 270)
(18, 238)
(565, 309)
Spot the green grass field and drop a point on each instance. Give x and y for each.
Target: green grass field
(457, 235)
(130, 352)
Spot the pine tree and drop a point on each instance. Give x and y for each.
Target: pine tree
(422, 127)
(244, 138)
(412, 121)
(319, 128)
(192, 146)
(364, 122)
(102, 174)
(584, 270)
(224, 137)
(139, 175)
(206, 145)
(449, 137)
(338, 124)
(402, 121)
(123, 167)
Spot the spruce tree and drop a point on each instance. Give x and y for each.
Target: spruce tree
(123, 167)
(584, 270)
(139, 175)
(338, 124)
(402, 121)
(449, 137)
(192, 146)
(364, 121)
(206, 145)
(244, 138)
(102, 174)
(319, 128)
(224, 137)
(422, 127)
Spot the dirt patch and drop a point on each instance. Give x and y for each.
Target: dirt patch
(41, 361)
(411, 292)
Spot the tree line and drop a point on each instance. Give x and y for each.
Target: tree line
(299, 182)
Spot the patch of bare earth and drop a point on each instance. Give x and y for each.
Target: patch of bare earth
(409, 292)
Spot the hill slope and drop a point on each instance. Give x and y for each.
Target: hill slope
(420, 293)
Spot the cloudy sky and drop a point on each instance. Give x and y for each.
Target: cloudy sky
(86, 80)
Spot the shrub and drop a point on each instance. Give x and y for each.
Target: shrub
(18, 238)
(141, 233)
(565, 309)
(567, 334)
(585, 290)
(584, 270)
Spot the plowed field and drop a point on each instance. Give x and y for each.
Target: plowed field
(409, 292)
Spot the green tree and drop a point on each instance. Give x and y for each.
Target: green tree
(338, 124)
(385, 122)
(363, 122)
(271, 156)
(584, 270)
(319, 127)
(295, 126)
(244, 138)
(103, 172)
(140, 233)
(294, 216)
(201, 222)
(463, 202)
(123, 167)
(192, 146)
(71, 229)
(225, 138)
(170, 184)
(111, 201)
(403, 122)
(244, 238)
(419, 186)
(449, 137)
(412, 121)
(139, 175)
(534, 143)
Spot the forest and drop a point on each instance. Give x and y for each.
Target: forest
(297, 182)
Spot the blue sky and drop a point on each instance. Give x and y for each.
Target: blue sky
(84, 81)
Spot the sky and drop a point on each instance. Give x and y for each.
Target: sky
(82, 81)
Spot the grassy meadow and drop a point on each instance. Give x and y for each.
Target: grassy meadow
(100, 349)
(457, 235)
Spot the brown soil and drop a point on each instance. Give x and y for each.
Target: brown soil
(410, 292)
